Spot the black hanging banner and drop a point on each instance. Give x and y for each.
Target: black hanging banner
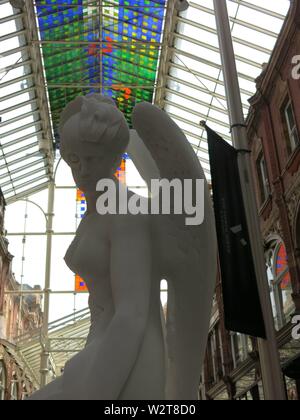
(242, 306)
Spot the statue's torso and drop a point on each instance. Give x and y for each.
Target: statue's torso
(89, 256)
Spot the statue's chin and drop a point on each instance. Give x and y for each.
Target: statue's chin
(86, 187)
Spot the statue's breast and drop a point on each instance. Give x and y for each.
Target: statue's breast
(88, 254)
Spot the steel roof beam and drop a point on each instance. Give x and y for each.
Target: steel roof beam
(237, 21)
(17, 65)
(196, 101)
(17, 196)
(95, 4)
(11, 17)
(193, 86)
(20, 139)
(96, 85)
(16, 130)
(260, 9)
(19, 160)
(119, 83)
(25, 77)
(214, 32)
(207, 62)
(188, 122)
(197, 114)
(38, 70)
(19, 118)
(216, 49)
(19, 150)
(17, 106)
(25, 184)
(200, 89)
(24, 176)
(134, 42)
(17, 144)
(21, 48)
(16, 94)
(29, 165)
(12, 35)
(204, 76)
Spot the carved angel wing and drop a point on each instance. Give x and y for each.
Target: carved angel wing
(190, 252)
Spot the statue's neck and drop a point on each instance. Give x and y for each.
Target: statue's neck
(92, 197)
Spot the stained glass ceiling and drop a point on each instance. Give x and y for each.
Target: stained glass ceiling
(108, 47)
(55, 50)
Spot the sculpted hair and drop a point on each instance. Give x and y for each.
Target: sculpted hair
(99, 122)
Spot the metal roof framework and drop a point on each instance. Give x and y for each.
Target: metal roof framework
(100, 46)
(26, 157)
(66, 337)
(131, 51)
(54, 51)
(190, 66)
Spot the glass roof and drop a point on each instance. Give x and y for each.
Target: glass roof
(194, 86)
(108, 47)
(118, 48)
(115, 47)
(23, 166)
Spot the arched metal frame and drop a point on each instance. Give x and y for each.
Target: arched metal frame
(281, 316)
(189, 83)
(14, 388)
(189, 86)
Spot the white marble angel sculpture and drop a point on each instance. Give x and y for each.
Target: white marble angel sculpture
(132, 353)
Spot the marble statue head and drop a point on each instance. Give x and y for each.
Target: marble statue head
(94, 135)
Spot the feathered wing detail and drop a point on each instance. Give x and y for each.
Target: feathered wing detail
(188, 254)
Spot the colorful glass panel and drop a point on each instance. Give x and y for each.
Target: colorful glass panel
(80, 285)
(282, 266)
(109, 47)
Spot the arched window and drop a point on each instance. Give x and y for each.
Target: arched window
(280, 283)
(2, 381)
(24, 391)
(14, 388)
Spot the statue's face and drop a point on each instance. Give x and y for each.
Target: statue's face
(89, 162)
(88, 168)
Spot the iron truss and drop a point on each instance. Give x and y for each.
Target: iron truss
(26, 152)
(190, 67)
(45, 67)
(44, 64)
(66, 337)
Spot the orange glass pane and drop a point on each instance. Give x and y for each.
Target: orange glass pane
(79, 195)
(281, 266)
(121, 172)
(80, 285)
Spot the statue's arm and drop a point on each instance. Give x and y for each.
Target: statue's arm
(130, 282)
